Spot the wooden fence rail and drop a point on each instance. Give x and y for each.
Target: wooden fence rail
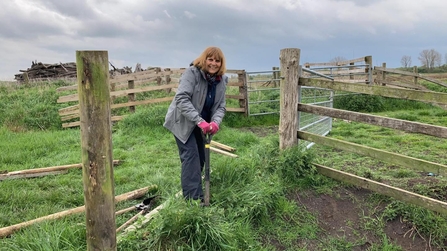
(383, 70)
(147, 81)
(287, 121)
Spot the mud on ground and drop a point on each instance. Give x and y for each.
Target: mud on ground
(341, 215)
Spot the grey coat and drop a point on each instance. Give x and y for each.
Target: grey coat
(184, 112)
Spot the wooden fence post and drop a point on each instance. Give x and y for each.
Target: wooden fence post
(168, 79)
(96, 149)
(131, 96)
(369, 70)
(415, 71)
(351, 68)
(158, 70)
(288, 122)
(384, 74)
(242, 81)
(275, 76)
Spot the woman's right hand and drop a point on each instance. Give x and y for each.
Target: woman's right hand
(205, 126)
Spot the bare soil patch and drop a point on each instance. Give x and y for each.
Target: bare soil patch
(342, 215)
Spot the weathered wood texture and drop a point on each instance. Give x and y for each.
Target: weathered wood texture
(290, 63)
(38, 172)
(345, 62)
(7, 231)
(424, 96)
(39, 70)
(380, 188)
(392, 158)
(404, 125)
(120, 87)
(96, 148)
(413, 74)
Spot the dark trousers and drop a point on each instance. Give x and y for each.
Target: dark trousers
(192, 157)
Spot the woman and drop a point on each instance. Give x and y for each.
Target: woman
(198, 108)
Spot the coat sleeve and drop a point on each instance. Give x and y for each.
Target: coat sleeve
(183, 96)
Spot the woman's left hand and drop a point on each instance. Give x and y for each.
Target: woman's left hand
(214, 127)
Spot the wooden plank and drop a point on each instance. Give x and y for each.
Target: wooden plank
(75, 113)
(232, 71)
(412, 74)
(68, 110)
(235, 109)
(7, 231)
(408, 126)
(43, 170)
(240, 96)
(143, 89)
(433, 80)
(145, 75)
(346, 62)
(132, 76)
(142, 102)
(222, 146)
(423, 96)
(392, 158)
(336, 72)
(75, 97)
(380, 188)
(68, 98)
(406, 73)
(235, 84)
(67, 88)
(32, 175)
(78, 123)
(399, 84)
(223, 152)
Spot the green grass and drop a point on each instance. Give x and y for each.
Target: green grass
(250, 206)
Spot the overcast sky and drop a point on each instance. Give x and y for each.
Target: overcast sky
(251, 33)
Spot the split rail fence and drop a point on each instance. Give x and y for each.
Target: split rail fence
(289, 135)
(156, 79)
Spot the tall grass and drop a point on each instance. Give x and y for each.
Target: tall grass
(250, 209)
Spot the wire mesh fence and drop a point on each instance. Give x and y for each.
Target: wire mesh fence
(264, 98)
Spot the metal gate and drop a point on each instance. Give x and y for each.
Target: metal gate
(263, 94)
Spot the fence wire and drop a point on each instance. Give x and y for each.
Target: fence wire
(264, 98)
(309, 122)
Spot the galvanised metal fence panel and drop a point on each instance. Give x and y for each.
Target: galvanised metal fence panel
(313, 123)
(263, 92)
(264, 97)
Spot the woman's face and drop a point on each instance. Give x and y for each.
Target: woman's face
(212, 65)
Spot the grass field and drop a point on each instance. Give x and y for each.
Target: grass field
(251, 205)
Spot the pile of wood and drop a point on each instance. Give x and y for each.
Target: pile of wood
(40, 70)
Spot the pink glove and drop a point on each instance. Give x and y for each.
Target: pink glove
(204, 126)
(214, 127)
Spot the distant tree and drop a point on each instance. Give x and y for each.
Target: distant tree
(445, 59)
(405, 61)
(430, 58)
(337, 60)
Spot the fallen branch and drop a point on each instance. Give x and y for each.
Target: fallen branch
(6, 231)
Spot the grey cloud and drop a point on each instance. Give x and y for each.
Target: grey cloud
(171, 33)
